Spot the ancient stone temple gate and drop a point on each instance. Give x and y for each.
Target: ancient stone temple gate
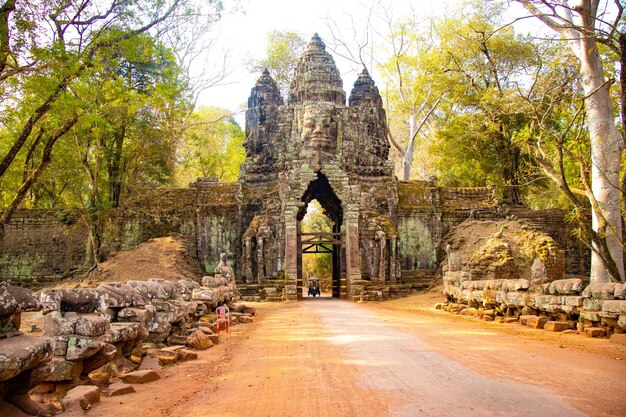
(386, 233)
(317, 147)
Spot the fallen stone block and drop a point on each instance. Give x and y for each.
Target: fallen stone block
(557, 326)
(618, 338)
(595, 332)
(199, 340)
(471, 311)
(523, 319)
(621, 322)
(140, 377)
(536, 322)
(119, 388)
(187, 355)
(82, 395)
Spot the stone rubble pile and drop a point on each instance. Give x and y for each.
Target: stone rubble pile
(596, 310)
(100, 333)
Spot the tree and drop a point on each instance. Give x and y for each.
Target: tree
(54, 49)
(211, 146)
(581, 25)
(408, 94)
(283, 51)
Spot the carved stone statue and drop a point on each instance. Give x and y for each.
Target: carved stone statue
(319, 131)
(263, 248)
(225, 270)
(248, 253)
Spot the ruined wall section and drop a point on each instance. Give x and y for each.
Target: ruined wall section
(42, 246)
(426, 213)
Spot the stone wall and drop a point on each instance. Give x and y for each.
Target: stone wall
(86, 329)
(42, 246)
(426, 213)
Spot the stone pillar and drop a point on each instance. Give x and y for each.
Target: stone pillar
(353, 269)
(291, 243)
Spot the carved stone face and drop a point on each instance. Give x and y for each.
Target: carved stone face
(319, 127)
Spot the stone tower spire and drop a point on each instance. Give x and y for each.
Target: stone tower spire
(316, 77)
(265, 92)
(365, 91)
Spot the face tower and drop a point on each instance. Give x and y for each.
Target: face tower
(317, 146)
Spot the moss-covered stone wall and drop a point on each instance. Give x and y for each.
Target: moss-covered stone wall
(42, 246)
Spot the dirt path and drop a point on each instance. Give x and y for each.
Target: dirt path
(332, 358)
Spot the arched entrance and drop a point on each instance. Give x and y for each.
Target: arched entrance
(323, 242)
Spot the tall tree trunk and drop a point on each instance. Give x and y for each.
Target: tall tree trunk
(407, 158)
(607, 145)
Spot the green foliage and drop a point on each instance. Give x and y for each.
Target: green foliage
(319, 264)
(212, 146)
(283, 51)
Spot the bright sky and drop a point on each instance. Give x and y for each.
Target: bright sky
(244, 34)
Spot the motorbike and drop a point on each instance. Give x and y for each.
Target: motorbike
(314, 287)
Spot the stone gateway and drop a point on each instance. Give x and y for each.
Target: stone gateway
(315, 145)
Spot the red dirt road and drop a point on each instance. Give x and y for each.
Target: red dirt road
(327, 357)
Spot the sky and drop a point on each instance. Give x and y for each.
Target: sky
(243, 34)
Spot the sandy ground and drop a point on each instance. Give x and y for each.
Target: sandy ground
(324, 357)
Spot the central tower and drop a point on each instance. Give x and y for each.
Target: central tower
(317, 147)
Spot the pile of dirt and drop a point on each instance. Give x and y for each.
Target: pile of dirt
(163, 257)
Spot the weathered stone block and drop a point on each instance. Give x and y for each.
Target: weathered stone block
(573, 301)
(80, 300)
(120, 388)
(14, 300)
(58, 369)
(593, 304)
(571, 286)
(595, 332)
(198, 340)
(523, 319)
(18, 354)
(82, 347)
(515, 285)
(590, 315)
(614, 306)
(82, 395)
(601, 290)
(91, 325)
(140, 377)
(557, 326)
(54, 324)
(469, 312)
(536, 322)
(621, 322)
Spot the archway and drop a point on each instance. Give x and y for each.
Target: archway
(323, 242)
